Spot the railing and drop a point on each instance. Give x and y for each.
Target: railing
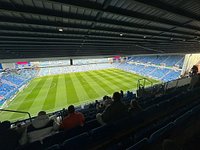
(141, 87)
(15, 111)
(142, 83)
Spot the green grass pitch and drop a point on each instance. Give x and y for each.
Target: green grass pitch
(51, 93)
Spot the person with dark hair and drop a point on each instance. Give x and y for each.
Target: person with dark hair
(107, 101)
(195, 78)
(97, 104)
(194, 70)
(73, 119)
(122, 93)
(134, 107)
(9, 138)
(113, 111)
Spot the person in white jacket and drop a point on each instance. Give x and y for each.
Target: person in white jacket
(41, 127)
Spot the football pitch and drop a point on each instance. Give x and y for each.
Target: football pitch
(51, 93)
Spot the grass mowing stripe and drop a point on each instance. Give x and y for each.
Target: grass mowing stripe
(128, 74)
(61, 93)
(100, 91)
(42, 95)
(83, 95)
(29, 99)
(154, 81)
(71, 92)
(49, 102)
(140, 77)
(111, 79)
(18, 100)
(123, 79)
(137, 75)
(115, 80)
(122, 75)
(100, 80)
(129, 79)
(99, 75)
(22, 95)
(90, 90)
(101, 83)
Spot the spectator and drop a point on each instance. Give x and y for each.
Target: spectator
(193, 82)
(107, 101)
(134, 107)
(22, 132)
(73, 119)
(122, 93)
(41, 127)
(8, 137)
(129, 95)
(113, 111)
(97, 104)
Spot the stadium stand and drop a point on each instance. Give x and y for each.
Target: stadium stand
(12, 81)
(71, 69)
(135, 131)
(164, 68)
(163, 114)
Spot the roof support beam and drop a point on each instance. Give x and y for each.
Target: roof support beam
(158, 4)
(114, 11)
(121, 12)
(50, 36)
(6, 23)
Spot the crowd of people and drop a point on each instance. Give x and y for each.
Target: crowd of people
(109, 109)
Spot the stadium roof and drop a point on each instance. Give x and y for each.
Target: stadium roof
(65, 28)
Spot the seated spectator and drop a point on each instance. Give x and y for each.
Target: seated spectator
(107, 101)
(41, 127)
(73, 119)
(113, 111)
(97, 104)
(195, 79)
(22, 132)
(8, 137)
(122, 93)
(101, 107)
(91, 105)
(134, 107)
(129, 95)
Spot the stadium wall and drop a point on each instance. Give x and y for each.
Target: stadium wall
(190, 60)
(8, 66)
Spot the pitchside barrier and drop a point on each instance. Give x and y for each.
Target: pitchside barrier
(148, 90)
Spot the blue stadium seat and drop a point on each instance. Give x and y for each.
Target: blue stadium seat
(180, 120)
(196, 109)
(102, 132)
(139, 135)
(143, 65)
(57, 138)
(54, 147)
(77, 142)
(139, 145)
(160, 133)
(32, 146)
(91, 125)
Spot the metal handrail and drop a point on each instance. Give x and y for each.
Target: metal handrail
(144, 82)
(16, 111)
